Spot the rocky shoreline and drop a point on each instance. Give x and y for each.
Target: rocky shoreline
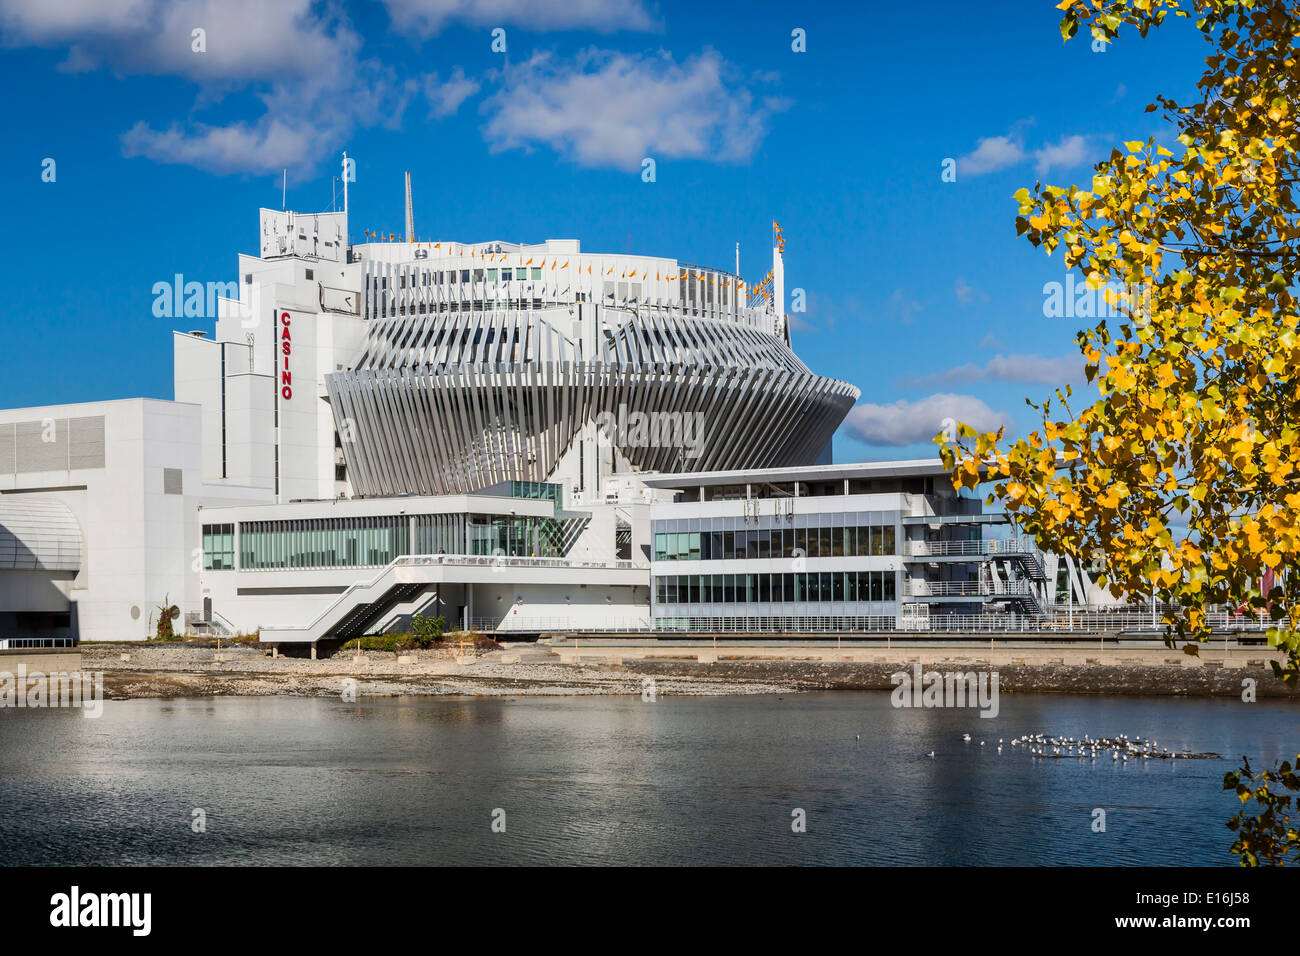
(173, 671)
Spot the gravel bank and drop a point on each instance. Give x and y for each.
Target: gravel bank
(188, 670)
(183, 670)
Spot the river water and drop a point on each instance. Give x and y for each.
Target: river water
(590, 780)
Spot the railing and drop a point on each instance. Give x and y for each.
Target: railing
(216, 624)
(422, 560)
(506, 561)
(993, 546)
(1066, 621)
(912, 588)
(529, 625)
(781, 625)
(16, 643)
(1062, 622)
(218, 619)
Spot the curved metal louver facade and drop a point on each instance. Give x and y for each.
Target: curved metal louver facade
(38, 534)
(448, 403)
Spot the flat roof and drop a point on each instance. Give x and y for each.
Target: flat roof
(384, 505)
(912, 468)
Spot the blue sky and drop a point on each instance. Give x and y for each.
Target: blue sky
(917, 290)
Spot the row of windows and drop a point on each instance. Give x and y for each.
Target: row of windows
(385, 307)
(375, 541)
(812, 519)
(775, 588)
(542, 490)
(775, 543)
(442, 277)
(323, 542)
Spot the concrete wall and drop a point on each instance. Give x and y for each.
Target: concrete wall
(140, 538)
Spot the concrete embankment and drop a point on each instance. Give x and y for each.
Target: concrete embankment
(621, 667)
(46, 660)
(1118, 667)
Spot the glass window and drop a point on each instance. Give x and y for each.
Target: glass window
(218, 547)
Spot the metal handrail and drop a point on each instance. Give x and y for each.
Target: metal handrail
(501, 560)
(17, 643)
(993, 546)
(913, 588)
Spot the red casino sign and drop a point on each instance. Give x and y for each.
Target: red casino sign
(286, 349)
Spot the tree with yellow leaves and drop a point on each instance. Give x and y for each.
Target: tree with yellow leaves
(1182, 475)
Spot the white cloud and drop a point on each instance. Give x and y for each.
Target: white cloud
(446, 98)
(299, 58)
(991, 154)
(607, 108)
(910, 423)
(240, 146)
(424, 18)
(1069, 151)
(1028, 369)
(45, 23)
(246, 40)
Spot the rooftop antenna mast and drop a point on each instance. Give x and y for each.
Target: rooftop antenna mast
(284, 187)
(347, 238)
(410, 212)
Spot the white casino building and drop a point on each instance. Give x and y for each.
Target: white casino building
(525, 438)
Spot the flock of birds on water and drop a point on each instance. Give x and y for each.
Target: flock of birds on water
(1120, 748)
